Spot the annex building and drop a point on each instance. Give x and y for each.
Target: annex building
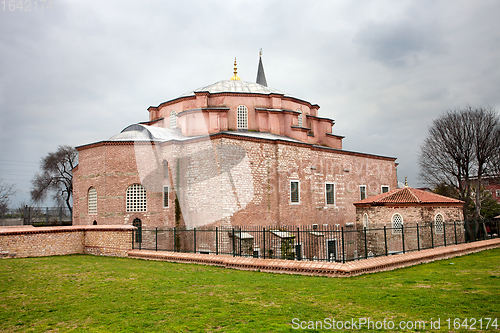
(233, 153)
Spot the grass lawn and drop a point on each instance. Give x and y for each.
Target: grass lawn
(89, 293)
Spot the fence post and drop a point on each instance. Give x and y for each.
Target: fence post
(418, 239)
(343, 249)
(298, 255)
(194, 239)
(140, 240)
(60, 215)
(432, 237)
(216, 240)
(234, 250)
(444, 232)
(133, 234)
(47, 215)
(175, 239)
(366, 248)
(385, 241)
(455, 223)
(240, 250)
(264, 242)
(403, 236)
(156, 238)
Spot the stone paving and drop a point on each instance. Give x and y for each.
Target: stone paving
(318, 268)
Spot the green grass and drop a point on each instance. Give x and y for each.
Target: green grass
(89, 293)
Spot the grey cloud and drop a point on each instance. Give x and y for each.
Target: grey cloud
(401, 43)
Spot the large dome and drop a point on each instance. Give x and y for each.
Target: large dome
(234, 86)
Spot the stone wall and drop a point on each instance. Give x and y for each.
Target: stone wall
(28, 241)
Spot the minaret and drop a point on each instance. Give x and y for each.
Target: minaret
(235, 76)
(261, 77)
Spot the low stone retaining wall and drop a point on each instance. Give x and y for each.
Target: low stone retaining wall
(321, 268)
(29, 241)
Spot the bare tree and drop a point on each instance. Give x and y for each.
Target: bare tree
(6, 193)
(56, 176)
(461, 146)
(486, 126)
(446, 156)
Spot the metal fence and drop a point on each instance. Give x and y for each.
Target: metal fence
(314, 243)
(46, 216)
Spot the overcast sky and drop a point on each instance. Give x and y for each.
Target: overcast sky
(82, 71)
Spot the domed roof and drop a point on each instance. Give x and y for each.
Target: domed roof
(234, 86)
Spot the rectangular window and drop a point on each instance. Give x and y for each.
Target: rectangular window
(165, 196)
(498, 193)
(294, 192)
(362, 192)
(330, 193)
(385, 188)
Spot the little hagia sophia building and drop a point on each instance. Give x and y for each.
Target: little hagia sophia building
(233, 153)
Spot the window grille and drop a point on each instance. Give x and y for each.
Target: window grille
(330, 194)
(136, 198)
(242, 115)
(173, 119)
(294, 192)
(397, 224)
(300, 117)
(438, 224)
(92, 201)
(165, 196)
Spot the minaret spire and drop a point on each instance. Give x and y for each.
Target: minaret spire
(235, 76)
(261, 77)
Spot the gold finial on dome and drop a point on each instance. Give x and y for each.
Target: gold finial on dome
(235, 76)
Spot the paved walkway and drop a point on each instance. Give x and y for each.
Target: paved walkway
(318, 268)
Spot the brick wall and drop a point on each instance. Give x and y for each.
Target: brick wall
(227, 180)
(29, 241)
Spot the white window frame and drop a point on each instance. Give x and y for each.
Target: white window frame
(334, 194)
(397, 230)
(382, 188)
(438, 228)
(173, 119)
(298, 190)
(92, 201)
(366, 196)
(497, 192)
(136, 198)
(242, 117)
(365, 221)
(167, 196)
(300, 118)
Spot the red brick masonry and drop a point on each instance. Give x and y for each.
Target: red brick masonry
(28, 241)
(321, 268)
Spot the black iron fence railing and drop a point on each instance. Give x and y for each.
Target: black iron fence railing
(314, 243)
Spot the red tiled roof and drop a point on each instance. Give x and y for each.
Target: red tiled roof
(408, 195)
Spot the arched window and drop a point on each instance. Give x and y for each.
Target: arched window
(438, 223)
(136, 198)
(397, 224)
(365, 221)
(300, 117)
(173, 119)
(242, 115)
(92, 201)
